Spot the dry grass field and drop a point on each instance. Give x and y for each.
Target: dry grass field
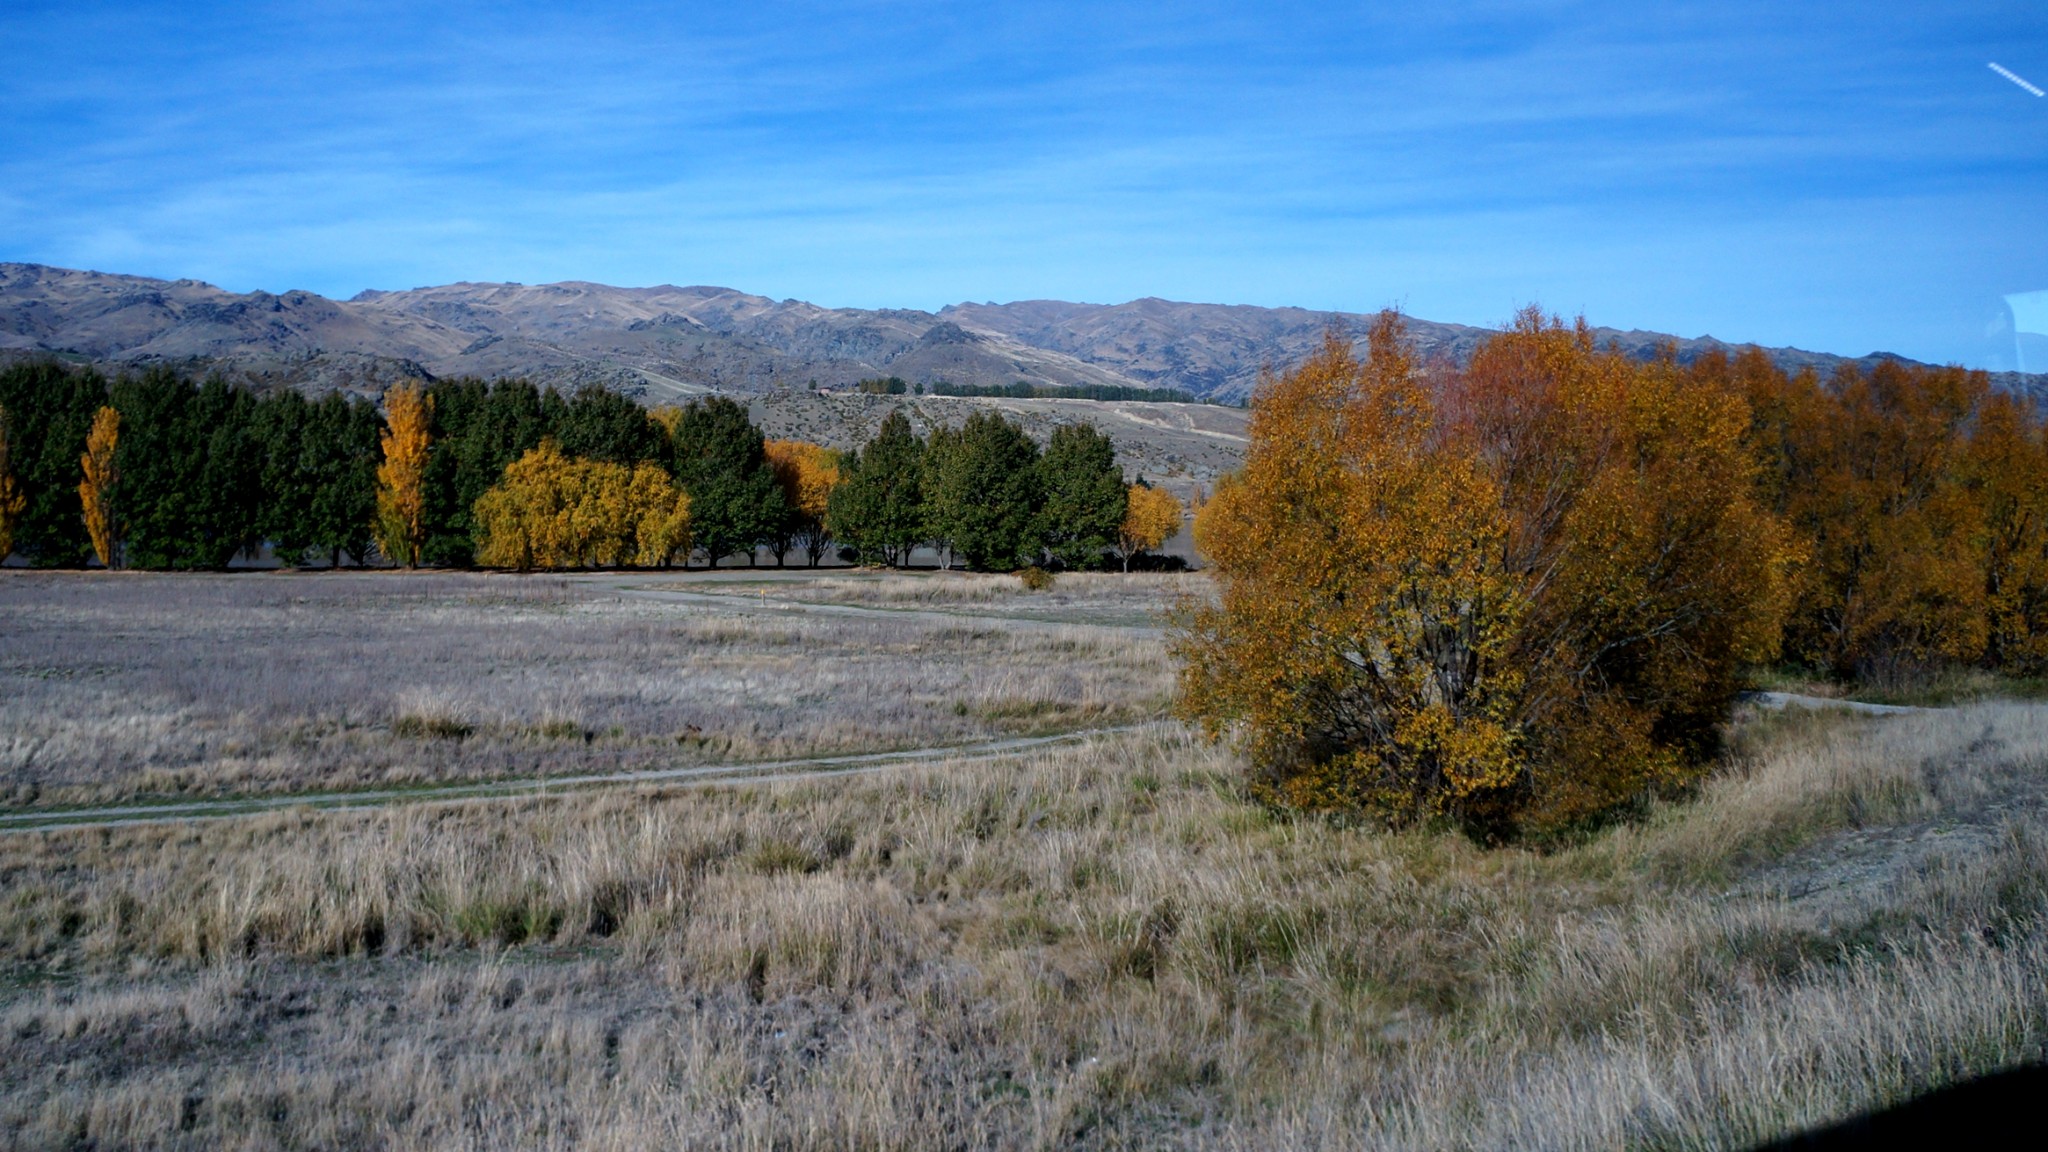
(1107, 599)
(124, 685)
(1100, 945)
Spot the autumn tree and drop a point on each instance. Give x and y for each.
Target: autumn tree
(2006, 467)
(1518, 599)
(807, 474)
(1872, 470)
(658, 514)
(12, 500)
(555, 511)
(1152, 517)
(1082, 496)
(401, 495)
(97, 490)
(878, 510)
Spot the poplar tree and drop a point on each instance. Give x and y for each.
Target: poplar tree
(401, 496)
(97, 489)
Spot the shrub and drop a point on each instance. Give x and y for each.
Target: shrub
(417, 726)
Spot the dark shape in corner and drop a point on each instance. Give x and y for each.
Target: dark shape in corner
(1996, 1111)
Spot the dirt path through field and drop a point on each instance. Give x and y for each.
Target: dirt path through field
(1778, 701)
(750, 772)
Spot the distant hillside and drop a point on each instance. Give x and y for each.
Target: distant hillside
(664, 343)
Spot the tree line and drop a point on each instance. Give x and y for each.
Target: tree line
(1025, 390)
(158, 471)
(985, 494)
(1521, 594)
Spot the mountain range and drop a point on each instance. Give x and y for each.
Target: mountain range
(665, 343)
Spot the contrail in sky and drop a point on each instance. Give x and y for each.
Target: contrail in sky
(2007, 73)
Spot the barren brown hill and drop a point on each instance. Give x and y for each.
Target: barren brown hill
(666, 342)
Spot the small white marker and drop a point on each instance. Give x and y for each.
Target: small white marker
(2002, 70)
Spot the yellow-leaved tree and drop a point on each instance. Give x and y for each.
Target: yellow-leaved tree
(1518, 599)
(96, 491)
(660, 512)
(401, 478)
(1152, 516)
(807, 474)
(13, 501)
(555, 511)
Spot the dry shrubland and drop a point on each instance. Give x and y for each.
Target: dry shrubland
(1099, 946)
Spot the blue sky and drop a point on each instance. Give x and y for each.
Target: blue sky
(1835, 176)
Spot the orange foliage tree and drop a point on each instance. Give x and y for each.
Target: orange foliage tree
(553, 511)
(96, 490)
(13, 501)
(401, 478)
(1919, 494)
(1518, 599)
(1152, 516)
(807, 474)
(2007, 469)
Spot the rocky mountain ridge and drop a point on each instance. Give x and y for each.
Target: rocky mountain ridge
(666, 343)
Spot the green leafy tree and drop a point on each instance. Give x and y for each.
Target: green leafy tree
(721, 461)
(12, 502)
(603, 425)
(341, 446)
(191, 471)
(280, 426)
(477, 430)
(50, 410)
(985, 494)
(937, 519)
(879, 509)
(319, 475)
(1084, 496)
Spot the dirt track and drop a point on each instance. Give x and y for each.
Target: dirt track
(770, 772)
